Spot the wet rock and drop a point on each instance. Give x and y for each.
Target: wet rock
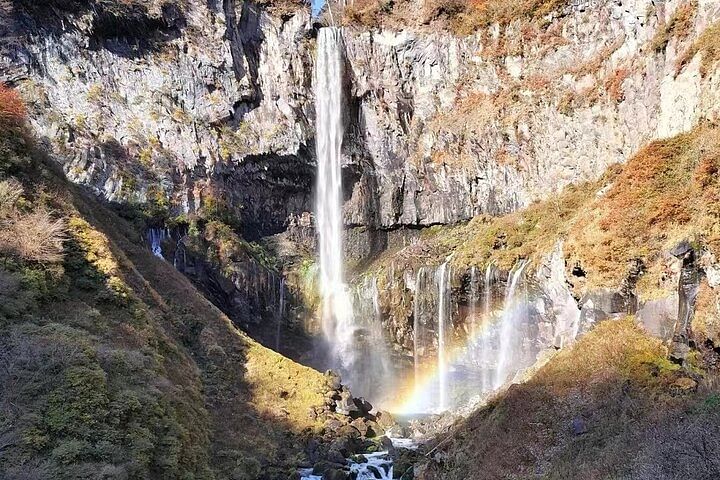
(363, 406)
(375, 471)
(385, 420)
(386, 444)
(345, 405)
(397, 431)
(363, 426)
(324, 466)
(336, 474)
(360, 458)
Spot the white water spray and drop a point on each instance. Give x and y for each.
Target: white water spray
(513, 313)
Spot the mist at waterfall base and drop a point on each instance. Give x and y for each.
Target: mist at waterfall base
(456, 354)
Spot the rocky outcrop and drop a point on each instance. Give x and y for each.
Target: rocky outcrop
(218, 111)
(440, 128)
(455, 127)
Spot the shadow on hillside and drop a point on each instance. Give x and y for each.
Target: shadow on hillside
(245, 435)
(610, 424)
(114, 363)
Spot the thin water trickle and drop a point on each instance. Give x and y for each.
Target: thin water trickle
(473, 302)
(280, 313)
(443, 286)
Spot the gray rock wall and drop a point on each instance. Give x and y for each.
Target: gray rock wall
(440, 128)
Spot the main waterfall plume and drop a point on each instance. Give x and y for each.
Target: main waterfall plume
(337, 312)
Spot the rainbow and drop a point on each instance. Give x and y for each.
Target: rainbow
(423, 388)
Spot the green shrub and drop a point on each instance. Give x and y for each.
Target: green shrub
(79, 406)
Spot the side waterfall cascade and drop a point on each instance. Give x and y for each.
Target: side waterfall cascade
(467, 345)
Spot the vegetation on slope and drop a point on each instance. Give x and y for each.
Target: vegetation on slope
(678, 26)
(668, 192)
(460, 16)
(113, 365)
(612, 406)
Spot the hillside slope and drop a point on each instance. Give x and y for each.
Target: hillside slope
(612, 406)
(114, 366)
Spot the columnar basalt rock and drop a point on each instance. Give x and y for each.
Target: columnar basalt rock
(440, 128)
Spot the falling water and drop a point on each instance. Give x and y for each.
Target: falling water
(337, 315)
(280, 312)
(486, 344)
(443, 285)
(512, 316)
(417, 312)
(372, 373)
(156, 236)
(473, 302)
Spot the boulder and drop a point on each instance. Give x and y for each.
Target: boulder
(324, 466)
(385, 420)
(336, 474)
(578, 426)
(333, 381)
(346, 406)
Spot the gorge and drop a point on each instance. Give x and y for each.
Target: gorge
(492, 224)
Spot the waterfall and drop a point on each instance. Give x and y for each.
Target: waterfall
(473, 303)
(156, 236)
(417, 312)
(512, 317)
(485, 343)
(338, 322)
(443, 284)
(280, 312)
(371, 374)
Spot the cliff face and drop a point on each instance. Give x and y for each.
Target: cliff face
(455, 127)
(440, 128)
(218, 102)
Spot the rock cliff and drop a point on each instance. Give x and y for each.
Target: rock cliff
(440, 128)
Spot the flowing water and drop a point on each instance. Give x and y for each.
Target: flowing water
(337, 313)
(156, 237)
(378, 466)
(514, 312)
(444, 312)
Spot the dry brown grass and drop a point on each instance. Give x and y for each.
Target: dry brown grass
(616, 380)
(461, 17)
(36, 236)
(678, 26)
(614, 84)
(12, 109)
(32, 234)
(667, 192)
(707, 45)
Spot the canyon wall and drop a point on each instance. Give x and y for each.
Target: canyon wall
(206, 109)
(439, 129)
